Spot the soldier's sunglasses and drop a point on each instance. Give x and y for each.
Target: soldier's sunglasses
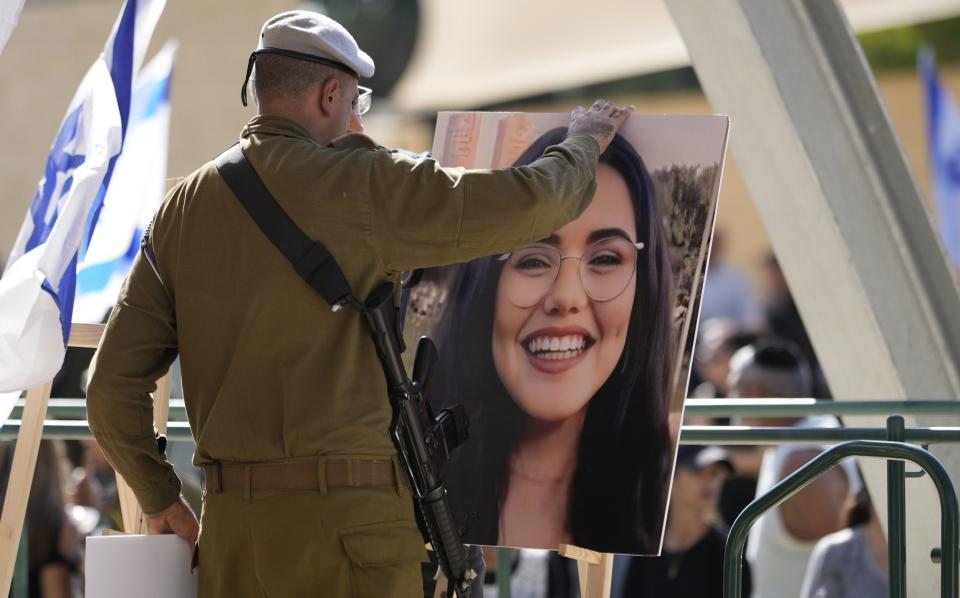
(364, 100)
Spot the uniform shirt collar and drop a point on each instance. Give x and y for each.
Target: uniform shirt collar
(274, 125)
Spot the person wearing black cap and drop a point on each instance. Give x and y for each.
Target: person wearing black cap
(287, 399)
(691, 561)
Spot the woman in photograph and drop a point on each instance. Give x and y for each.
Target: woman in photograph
(561, 354)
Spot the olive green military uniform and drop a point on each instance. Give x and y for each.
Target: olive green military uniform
(270, 373)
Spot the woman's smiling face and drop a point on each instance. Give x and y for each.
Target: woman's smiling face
(554, 356)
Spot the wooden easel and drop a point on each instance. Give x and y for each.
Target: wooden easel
(28, 446)
(594, 568)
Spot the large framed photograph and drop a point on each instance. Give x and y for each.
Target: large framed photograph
(571, 355)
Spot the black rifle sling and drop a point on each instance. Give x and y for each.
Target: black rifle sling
(311, 260)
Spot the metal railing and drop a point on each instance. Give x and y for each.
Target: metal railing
(67, 421)
(894, 452)
(804, 407)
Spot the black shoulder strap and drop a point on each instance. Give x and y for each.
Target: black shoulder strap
(311, 260)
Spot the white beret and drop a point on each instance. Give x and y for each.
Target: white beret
(313, 34)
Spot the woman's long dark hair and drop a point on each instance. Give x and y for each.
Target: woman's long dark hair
(621, 478)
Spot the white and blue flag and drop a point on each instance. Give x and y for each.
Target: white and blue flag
(943, 139)
(37, 287)
(136, 191)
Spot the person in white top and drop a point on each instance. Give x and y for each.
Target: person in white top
(781, 542)
(851, 563)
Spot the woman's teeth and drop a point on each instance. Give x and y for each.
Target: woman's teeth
(557, 347)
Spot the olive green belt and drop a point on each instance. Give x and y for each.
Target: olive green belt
(319, 474)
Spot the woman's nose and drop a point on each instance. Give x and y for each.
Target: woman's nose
(566, 295)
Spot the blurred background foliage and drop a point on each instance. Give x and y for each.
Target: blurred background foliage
(897, 48)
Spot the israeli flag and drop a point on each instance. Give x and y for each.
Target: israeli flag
(943, 138)
(37, 288)
(136, 191)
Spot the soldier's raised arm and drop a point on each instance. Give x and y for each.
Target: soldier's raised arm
(472, 213)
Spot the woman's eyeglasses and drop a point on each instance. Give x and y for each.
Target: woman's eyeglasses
(365, 100)
(605, 270)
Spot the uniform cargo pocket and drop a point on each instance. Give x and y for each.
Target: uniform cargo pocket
(384, 544)
(385, 559)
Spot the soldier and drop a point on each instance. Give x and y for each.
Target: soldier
(286, 399)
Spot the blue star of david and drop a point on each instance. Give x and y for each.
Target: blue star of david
(57, 179)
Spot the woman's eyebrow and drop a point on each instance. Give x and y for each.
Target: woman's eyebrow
(606, 233)
(551, 240)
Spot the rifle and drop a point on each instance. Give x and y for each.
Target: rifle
(423, 442)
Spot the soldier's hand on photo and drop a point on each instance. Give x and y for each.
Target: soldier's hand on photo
(177, 519)
(601, 121)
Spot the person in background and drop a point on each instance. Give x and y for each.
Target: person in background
(851, 563)
(782, 319)
(95, 486)
(691, 562)
(781, 541)
(54, 548)
(727, 291)
(719, 339)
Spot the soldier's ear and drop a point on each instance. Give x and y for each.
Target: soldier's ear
(329, 95)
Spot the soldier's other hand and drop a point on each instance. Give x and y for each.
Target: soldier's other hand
(177, 519)
(601, 121)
